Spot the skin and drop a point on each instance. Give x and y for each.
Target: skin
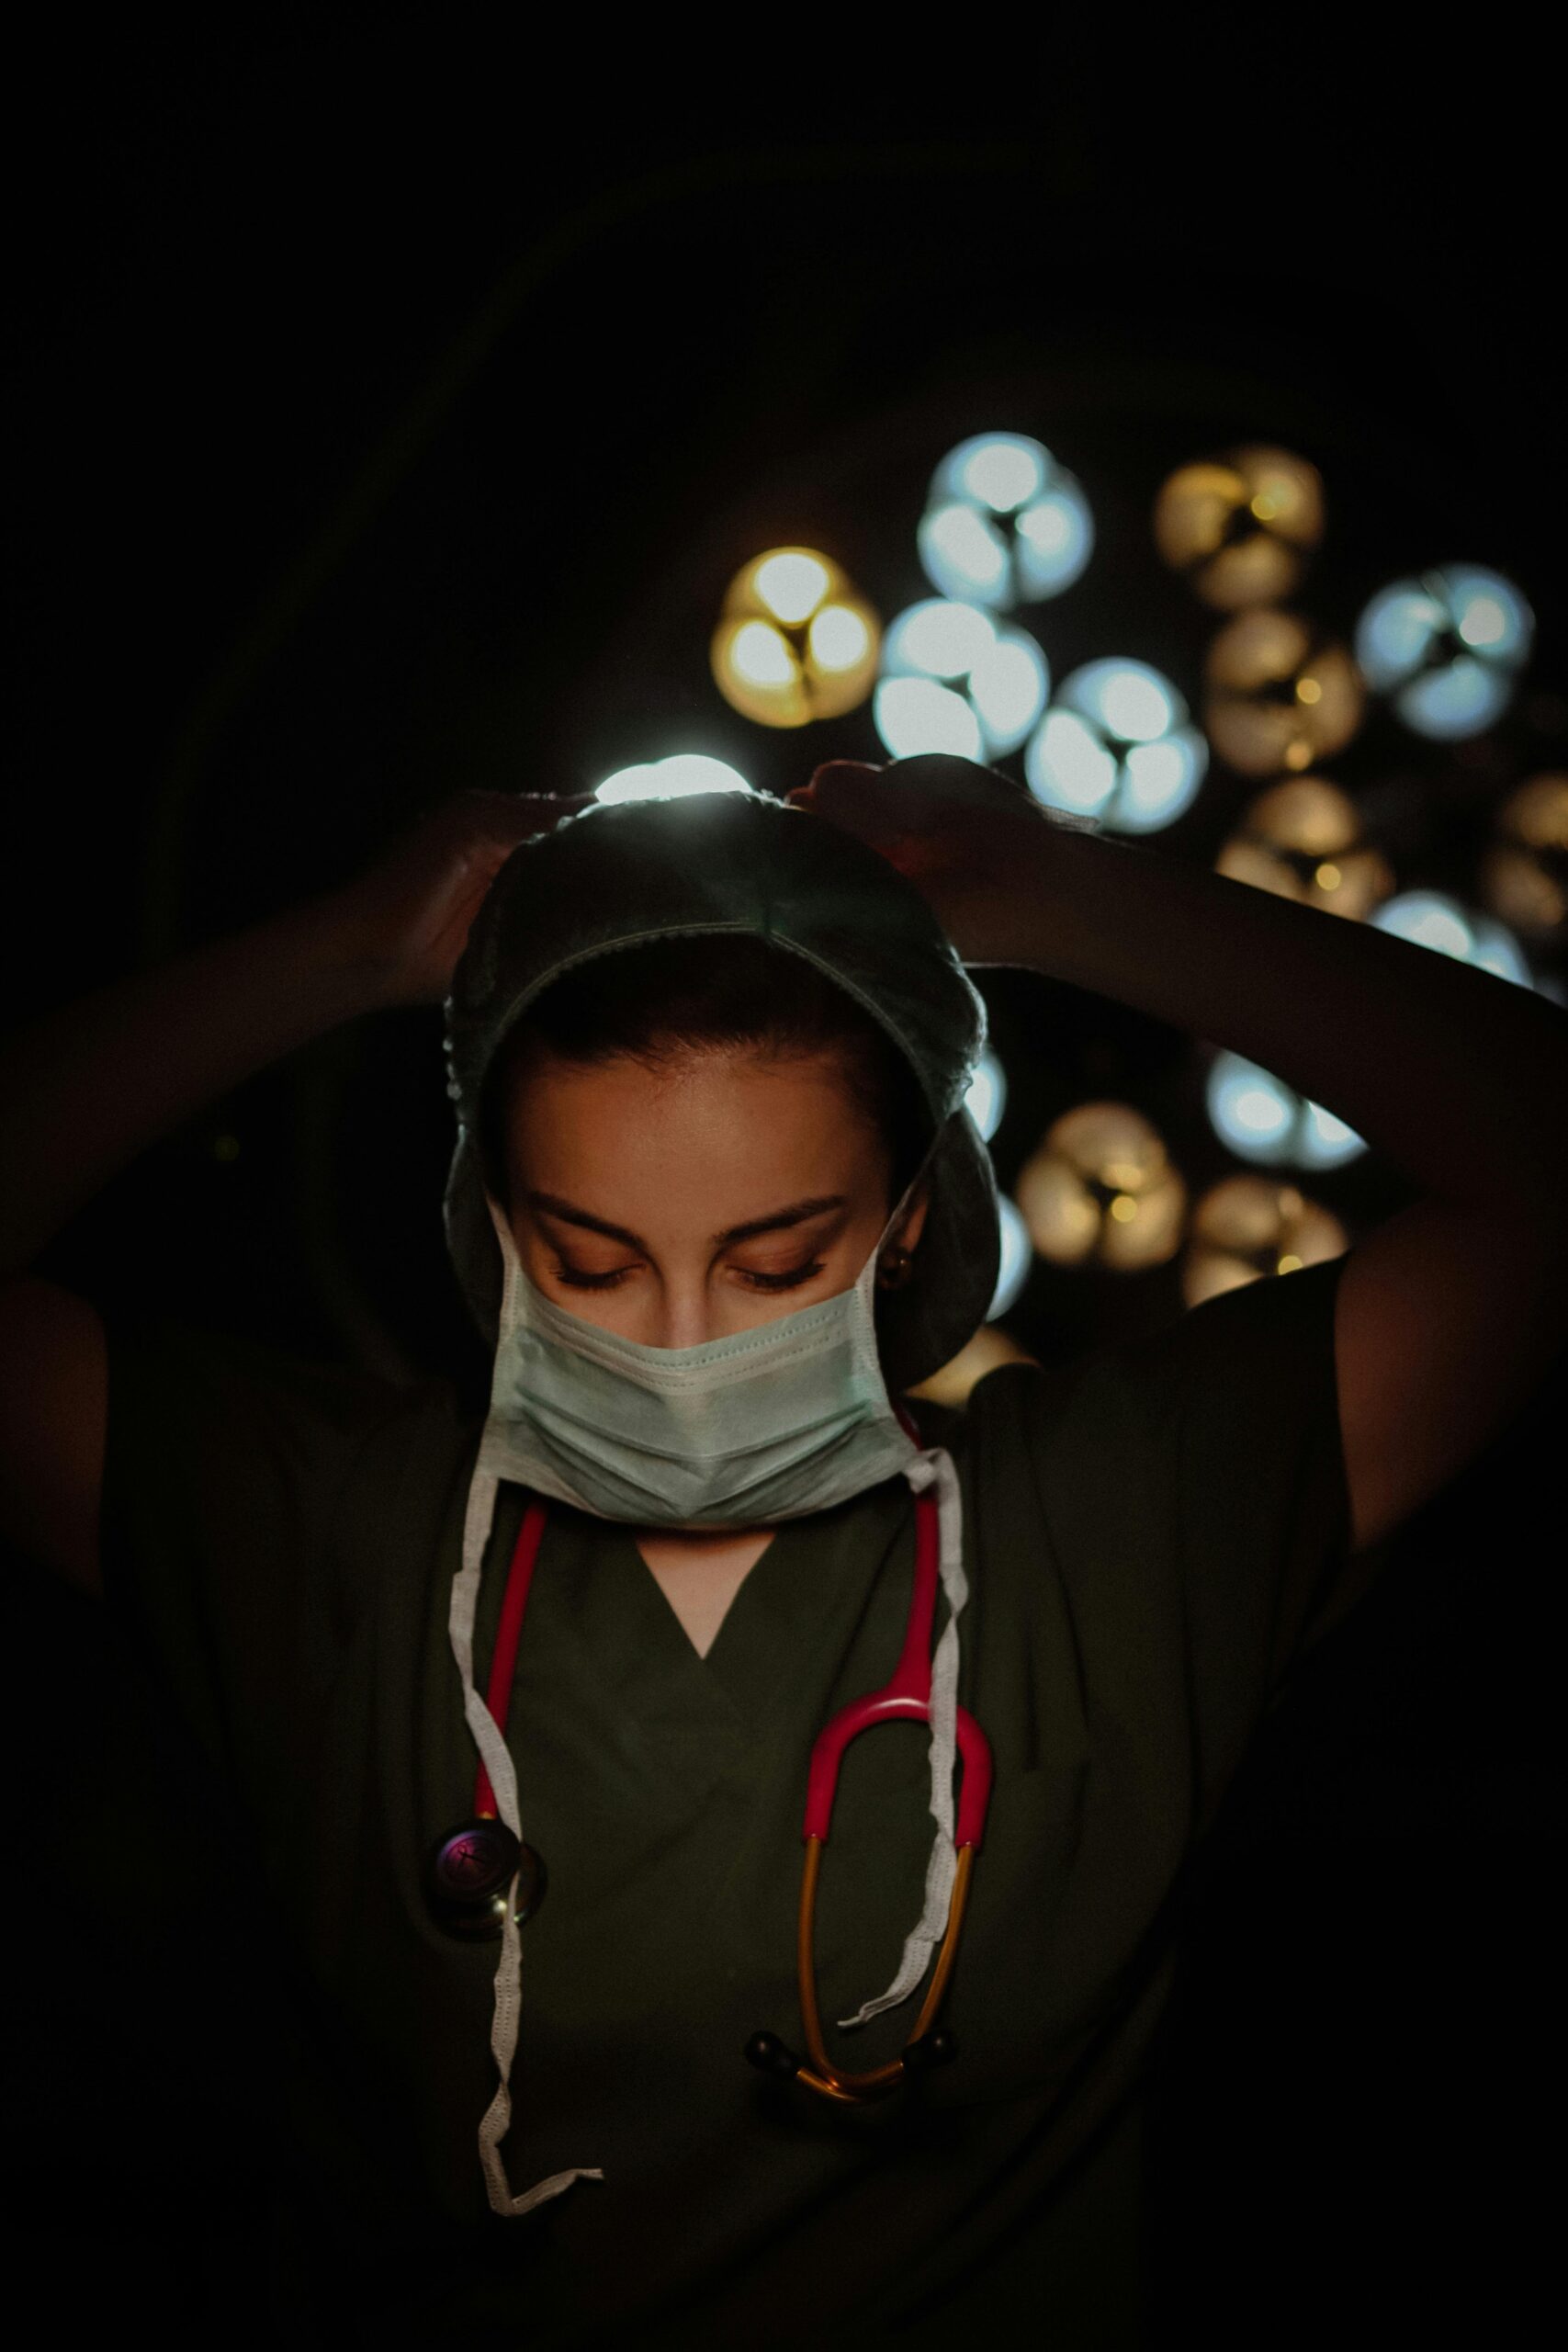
(677, 1158)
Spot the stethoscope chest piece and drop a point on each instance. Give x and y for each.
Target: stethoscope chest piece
(468, 1872)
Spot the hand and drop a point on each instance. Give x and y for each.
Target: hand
(412, 911)
(968, 839)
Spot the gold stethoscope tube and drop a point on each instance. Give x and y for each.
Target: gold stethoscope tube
(822, 2075)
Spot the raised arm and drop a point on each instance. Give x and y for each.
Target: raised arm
(91, 1085)
(1448, 1313)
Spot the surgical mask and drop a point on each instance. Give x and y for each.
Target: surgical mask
(766, 1424)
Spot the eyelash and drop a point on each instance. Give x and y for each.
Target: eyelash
(612, 1281)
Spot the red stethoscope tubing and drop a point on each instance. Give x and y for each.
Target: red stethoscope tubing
(904, 1697)
(504, 1665)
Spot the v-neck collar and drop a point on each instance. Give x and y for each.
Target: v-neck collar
(805, 1595)
(802, 1597)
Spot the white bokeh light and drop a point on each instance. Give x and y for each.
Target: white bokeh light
(1005, 524)
(1117, 744)
(955, 680)
(1433, 919)
(1018, 1256)
(987, 1096)
(673, 778)
(1446, 647)
(1261, 1119)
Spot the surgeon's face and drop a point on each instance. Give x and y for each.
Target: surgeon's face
(681, 1205)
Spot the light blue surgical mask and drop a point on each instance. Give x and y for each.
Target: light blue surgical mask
(772, 1423)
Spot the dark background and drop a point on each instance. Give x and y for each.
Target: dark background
(392, 401)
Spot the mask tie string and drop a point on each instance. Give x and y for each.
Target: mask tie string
(935, 1465)
(496, 1760)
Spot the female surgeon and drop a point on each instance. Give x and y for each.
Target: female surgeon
(726, 1815)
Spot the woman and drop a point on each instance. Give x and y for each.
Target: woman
(716, 1204)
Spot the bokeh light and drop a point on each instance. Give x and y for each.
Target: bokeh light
(955, 680)
(1004, 524)
(1436, 919)
(1280, 695)
(1117, 746)
(796, 640)
(1101, 1186)
(1260, 1118)
(672, 778)
(1239, 527)
(1302, 840)
(1247, 1229)
(1017, 1259)
(1524, 871)
(987, 1096)
(1446, 649)
(990, 1347)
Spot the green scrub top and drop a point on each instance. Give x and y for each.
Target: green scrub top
(1153, 1536)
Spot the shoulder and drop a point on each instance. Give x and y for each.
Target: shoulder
(1260, 1353)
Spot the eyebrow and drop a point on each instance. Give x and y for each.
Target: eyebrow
(798, 1213)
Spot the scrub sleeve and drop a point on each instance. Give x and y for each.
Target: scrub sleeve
(1154, 1537)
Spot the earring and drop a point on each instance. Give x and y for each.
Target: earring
(893, 1271)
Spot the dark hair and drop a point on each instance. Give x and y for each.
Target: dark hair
(717, 988)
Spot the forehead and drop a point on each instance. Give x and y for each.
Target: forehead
(709, 1119)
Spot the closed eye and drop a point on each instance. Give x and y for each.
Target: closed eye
(792, 1280)
(577, 1279)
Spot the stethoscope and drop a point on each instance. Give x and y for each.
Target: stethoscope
(471, 1868)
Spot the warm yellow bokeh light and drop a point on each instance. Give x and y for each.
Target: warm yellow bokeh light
(795, 641)
(761, 655)
(1524, 873)
(1247, 1227)
(1302, 839)
(1101, 1186)
(838, 637)
(790, 585)
(1280, 695)
(990, 1347)
(1239, 527)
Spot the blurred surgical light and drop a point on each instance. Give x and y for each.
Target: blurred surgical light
(1434, 919)
(1248, 1229)
(1260, 1118)
(987, 1096)
(792, 584)
(1100, 1185)
(990, 1347)
(1446, 647)
(955, 680)
(795, 641)
(1524, 871)
(1302, 840)
(1239, 527)
(1018, 1255)
(672, 779)
(1117, 746)
(1005, 524)
(1280, 695)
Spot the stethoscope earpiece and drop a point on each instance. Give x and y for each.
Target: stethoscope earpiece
(772, 2056)
(939, 2048)
(468, 1872)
